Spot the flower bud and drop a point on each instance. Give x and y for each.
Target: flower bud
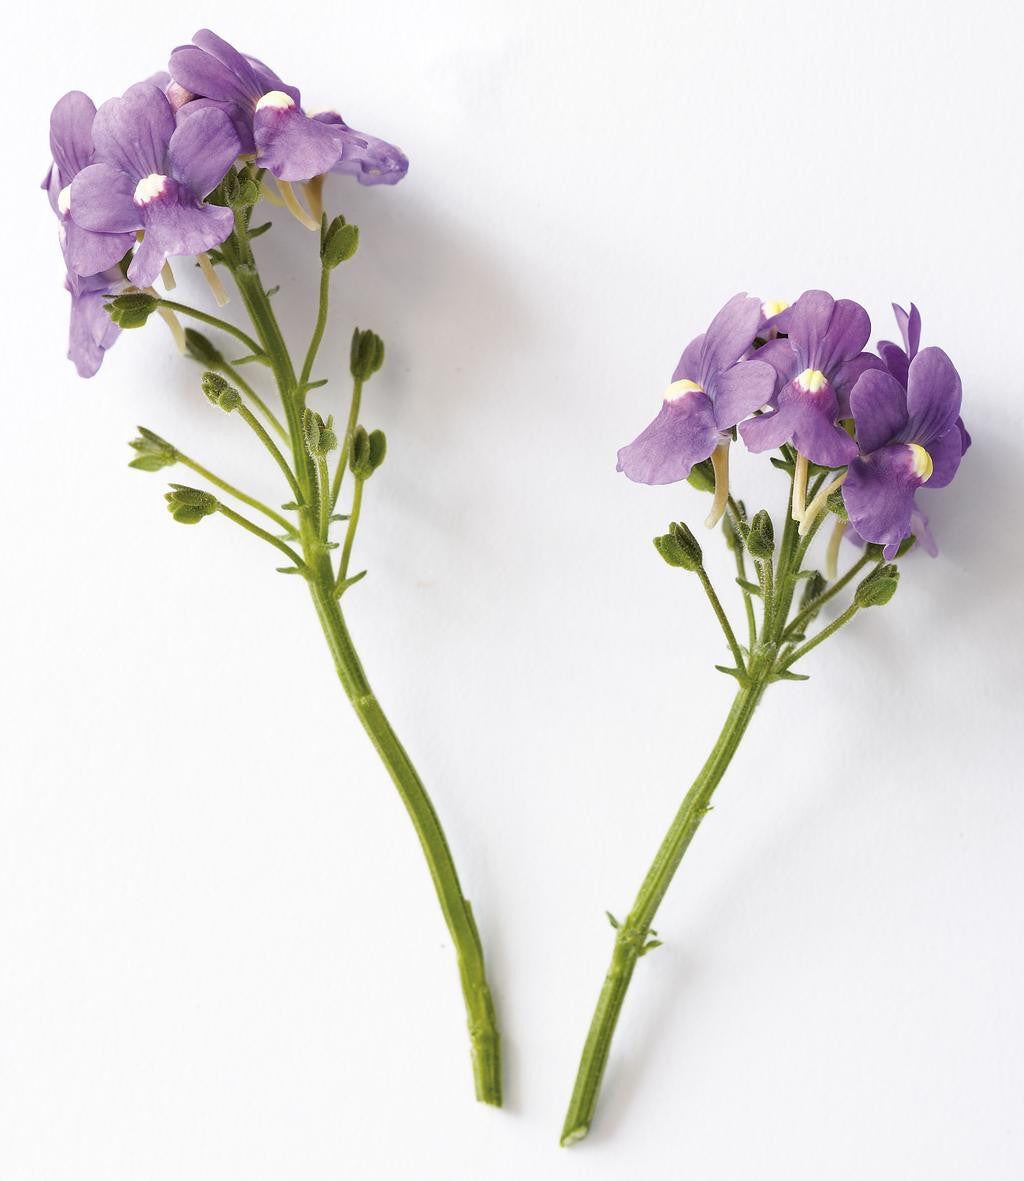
(220, 392)
(132, 309)
(320, 436)
(680, 548)
(189, 505)
(340, 241)
(238, 190)
(154, 453)
(761, 536)
(200, 349)
(734, 535)
(367, 354)
(878, 588)
(367, 452)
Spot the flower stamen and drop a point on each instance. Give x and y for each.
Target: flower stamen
(167, 276)
(832, 550)
(720, 463)
(817, 505)
(220, 296)
(294, 206)
(314, 190)
(800, 470)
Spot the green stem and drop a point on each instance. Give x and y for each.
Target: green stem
(318, 330)
(324, 495)
(723, 619)
(457, 911)
(346, 443)
(823, 635)
(805, 614)
(253, 528)
(238, 380)
(238, 494)
(350, 532)
(214, 322)
(261, 433)
(631, 937)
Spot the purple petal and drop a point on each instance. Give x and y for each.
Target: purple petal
(293, 146)
(374, 162)
(879, 494)
(879, 405)
(202, 149)
(782, 357)
(910, 329)
(89, 253)
(688, 368)
(741, 390)
(769, 431)
(846, 375)
(102, 198)
(729, 336)
(965, 437)
(212, 68)
(132, 132)
(176, 223)
(946, 452)
(71, 134)
(91, 330)
(933, 396)
(848, 332)
(895, 360)
(268, 80)
(241, 119)
(683, 434)
(919, 528)
(808, 322)
(816, 436)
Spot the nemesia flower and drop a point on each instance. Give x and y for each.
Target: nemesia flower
(908, 438)
(710, 392)
(370, 160)
(818, 363)
(85, 251)
(152, 176)
(266, 112)
(92, 331)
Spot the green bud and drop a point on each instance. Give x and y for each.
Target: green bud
(702, 476)
(132, 309)
(874, 551)
(220, 392)
(761, 536)
(367, 354)
(200, 349)
(189, 505)
(154, 453)
(680, 548)
(340, 241)
(320, 436)
(367, 452)
(878, 588)
(238, 190)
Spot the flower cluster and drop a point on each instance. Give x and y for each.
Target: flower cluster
(133, 183)
(798, 378)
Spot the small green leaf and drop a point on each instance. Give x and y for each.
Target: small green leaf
(750, 587)
(612, 919)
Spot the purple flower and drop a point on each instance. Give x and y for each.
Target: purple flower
(711, 391)
(370, 160)
(818, 364)
(908, 438)
(85, 251)
(266, 113)
(92, 331)
(152, 176)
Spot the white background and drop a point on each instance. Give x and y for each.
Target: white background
(220, 956)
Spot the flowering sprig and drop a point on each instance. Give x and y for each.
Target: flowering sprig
(858, 435)
(176, 167)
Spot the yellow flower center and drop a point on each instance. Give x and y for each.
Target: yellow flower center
(772, 307)
(812, 380)
(679, 389)
(921, 462)
(276, 100)
(149, 188)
